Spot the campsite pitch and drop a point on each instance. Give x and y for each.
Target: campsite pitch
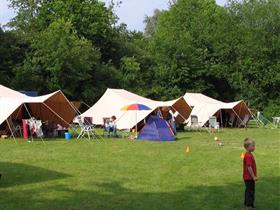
(126, 175)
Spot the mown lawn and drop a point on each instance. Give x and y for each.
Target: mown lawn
(119, 174)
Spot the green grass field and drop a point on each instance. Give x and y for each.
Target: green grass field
(119, 174)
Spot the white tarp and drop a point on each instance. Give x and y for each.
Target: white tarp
(205, 107)
(111, 103)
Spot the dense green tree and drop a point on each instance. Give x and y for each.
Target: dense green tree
(57, 58)
(183, 47)
(257, 52)
(12, 54)
(151, 23)
(87, 23)
(229, 52)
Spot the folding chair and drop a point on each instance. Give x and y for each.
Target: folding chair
(74, 127)
(264, 122)
(86, 128)
(88, 121)
(213, 124)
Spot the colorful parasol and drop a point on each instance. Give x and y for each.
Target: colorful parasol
(136, 107)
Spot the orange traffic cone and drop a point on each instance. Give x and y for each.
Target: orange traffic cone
(188, 150)
(242, 155)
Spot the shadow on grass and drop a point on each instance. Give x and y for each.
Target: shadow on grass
(19, 174)
(114, 196)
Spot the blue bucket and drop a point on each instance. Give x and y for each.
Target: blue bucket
(67, 136)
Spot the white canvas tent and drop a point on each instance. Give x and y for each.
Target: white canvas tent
(53, 107)
(205, 107)
(114, 99)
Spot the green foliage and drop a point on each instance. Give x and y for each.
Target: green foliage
(256, 51)
(74, 45)
(226, 52)
(131, 73)
(183, 47)
(229, 52)
(12, 54)
(151, 23)
(58, 57)
(272, 109)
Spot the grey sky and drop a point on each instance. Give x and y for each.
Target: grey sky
(131, 12)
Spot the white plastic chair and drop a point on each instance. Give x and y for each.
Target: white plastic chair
(213, 124)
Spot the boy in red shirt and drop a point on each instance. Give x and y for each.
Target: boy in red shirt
(249, 173)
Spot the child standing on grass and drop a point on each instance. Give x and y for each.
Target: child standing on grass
(249, 173)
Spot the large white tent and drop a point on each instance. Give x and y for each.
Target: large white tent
(113, 100)
(205, 107)
(53, 107)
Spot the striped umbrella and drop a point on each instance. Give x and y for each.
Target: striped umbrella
(135, 107)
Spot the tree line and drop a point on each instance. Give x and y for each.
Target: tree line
(78, 46)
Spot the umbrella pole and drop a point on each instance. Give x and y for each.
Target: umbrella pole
(136, 125)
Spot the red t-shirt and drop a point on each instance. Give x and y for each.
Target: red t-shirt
(249, 160)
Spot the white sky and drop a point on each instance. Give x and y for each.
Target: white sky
(131, 12)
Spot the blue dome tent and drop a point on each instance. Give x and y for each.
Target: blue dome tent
(156, 129)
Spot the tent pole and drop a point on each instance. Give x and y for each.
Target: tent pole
(18, 111)
(27, 110)
(221, 117)
(136, 124)
(30, 132)
(56, 114)
(11, 131)
(240, 110)
(239, 118)
(179, 113)
(30, 118)
(73, 107)
(85, 104)
(121, 116)
(76, 111)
